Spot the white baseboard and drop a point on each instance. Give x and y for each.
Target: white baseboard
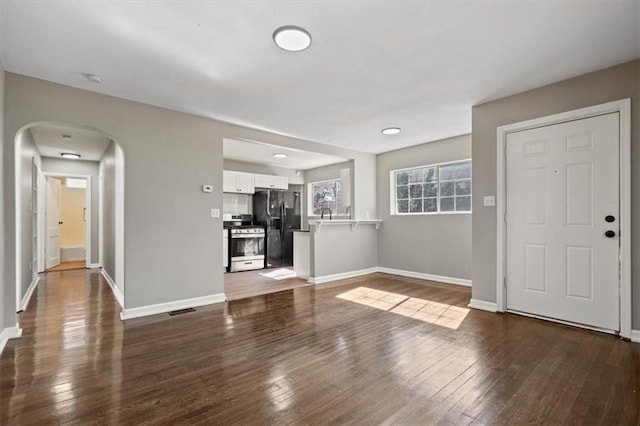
(482, 305)
(635, 336)
(162, 308)
(423, 276)
(27, 296)
(9, 333)
(114, 288)
(94, 265)
(342, 276)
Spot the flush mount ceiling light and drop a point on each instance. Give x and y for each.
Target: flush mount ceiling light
(280, 155)
(94, 78)
(391, 131)
(292, 38)
(70, 155)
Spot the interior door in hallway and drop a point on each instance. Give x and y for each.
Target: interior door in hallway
(53, 222)
(562, 221)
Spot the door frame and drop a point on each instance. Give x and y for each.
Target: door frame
(42, 224)
(623, 107)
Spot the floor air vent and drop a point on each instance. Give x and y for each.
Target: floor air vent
(181, 311)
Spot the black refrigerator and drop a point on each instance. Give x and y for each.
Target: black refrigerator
(279, 213)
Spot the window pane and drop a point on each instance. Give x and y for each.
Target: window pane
(447, 204)
(402, 192)
(463, 187)
(416, 206)
(415, 191)
(447, 172)
(403, 206)
(446, 189)
(430, 190)
(463, 171)
(463, 204)
(430, 204)
(416, 175)
(430, 174)
(402, 178)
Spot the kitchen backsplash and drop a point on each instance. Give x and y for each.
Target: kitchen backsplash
(237, 203)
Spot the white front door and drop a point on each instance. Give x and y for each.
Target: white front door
(563, 211)
(53, 223)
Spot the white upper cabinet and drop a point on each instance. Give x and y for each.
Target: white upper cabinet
(271, 182)
(238, 182)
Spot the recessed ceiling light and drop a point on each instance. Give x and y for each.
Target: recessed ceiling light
(391, 130)
(292, 38)
(94, 78)
(66, 136)
(280, 155)
(70, 155)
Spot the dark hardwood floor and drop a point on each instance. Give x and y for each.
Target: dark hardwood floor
(388, 350)
(240, 285)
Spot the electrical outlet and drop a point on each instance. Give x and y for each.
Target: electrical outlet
(489, 200)
(215, 213)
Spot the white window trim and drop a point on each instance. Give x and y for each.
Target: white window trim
(392, 190)
(310, 198)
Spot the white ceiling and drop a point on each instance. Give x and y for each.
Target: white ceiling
(262, 153)
(88, 143)
(417, 65)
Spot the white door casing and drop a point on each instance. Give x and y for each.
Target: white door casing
(623, 107)
(562, 181)
(52, 217)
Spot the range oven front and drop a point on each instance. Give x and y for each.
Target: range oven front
(246, 249)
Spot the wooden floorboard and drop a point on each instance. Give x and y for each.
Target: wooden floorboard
(306, 356)
(241, 285)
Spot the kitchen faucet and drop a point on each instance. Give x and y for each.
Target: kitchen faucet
(322, 213)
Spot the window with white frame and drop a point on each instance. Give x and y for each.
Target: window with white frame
(440, 188)
(326, 194)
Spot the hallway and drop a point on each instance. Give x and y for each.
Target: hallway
(369, 350)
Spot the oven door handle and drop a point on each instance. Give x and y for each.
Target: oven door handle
(247, 236)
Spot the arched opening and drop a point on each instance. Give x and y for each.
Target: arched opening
(69, 204)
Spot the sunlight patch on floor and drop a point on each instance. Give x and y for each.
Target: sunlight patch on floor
(279, 274)
(421, 309)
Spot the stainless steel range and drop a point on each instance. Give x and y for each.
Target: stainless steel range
(246, 243)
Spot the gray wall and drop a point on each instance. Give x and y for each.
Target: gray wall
(619, 82)
(108, 176)
(430, 244)
(28, 154)
(338, 249)
(60, 165)
(7, 306)
(264, 169)
(168, 157)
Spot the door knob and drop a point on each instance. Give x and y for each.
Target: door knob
(610, 234)
(610, 219)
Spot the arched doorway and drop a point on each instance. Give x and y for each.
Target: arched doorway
(49, 152)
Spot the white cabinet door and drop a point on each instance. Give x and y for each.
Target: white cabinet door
(271, 182)
(237, 182)
(562, 221)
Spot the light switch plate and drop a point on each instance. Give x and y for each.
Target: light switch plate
(215, 213)
(489, 200)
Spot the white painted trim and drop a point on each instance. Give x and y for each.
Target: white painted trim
(342, 276)
(623, 107)
(24, 303)
(94, 266)
(9, 333)
(114, 288)
(482, 305)
(162, 308)
(635, 336)
(428, 277)
(119, 201)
